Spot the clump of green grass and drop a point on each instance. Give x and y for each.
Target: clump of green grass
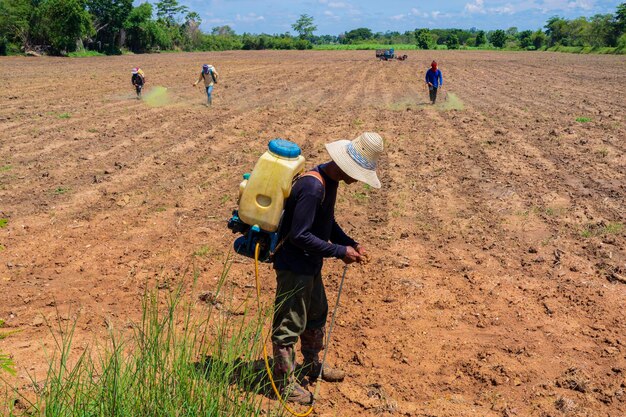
(4, 223)
(61, 190)
(583, 119)
(602, 153)
(5, 168)
(160, 209)
(7, 364)
(202, 251)
(84, 54)
(65, 115)
(225, 198)
(602, 229)
(181, 359)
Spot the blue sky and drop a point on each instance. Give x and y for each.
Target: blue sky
(337, 16)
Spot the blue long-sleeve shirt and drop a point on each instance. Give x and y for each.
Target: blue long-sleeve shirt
(308, 230)
(435, 78)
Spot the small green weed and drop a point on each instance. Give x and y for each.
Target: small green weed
(6, 364)
(84, 54)
(61, 190)
(357, 122)
(602, 153)
(160, 209)
(9, 333)
(583, 119)
(225, 198)
(5, 168)
(65, 115)
(4, 223)
(203, 251)
(92, 130)
(2, 248)
(602, 229)
(360, 196)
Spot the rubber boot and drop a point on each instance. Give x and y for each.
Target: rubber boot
(284, 376)
(312, 341)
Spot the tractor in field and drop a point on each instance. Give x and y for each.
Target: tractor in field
(389, 55)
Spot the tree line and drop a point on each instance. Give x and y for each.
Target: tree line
(60, 27)
(601, 30)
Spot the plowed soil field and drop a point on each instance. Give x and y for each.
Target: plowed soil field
(498, 281)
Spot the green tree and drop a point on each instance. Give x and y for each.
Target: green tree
(304, 26)
(222, 31)
(601, 30)
(108, 20)
(512, 32)
(63, 23)
(498, 38)
(538, 39)
(143, 33)
(360, 34)
(556, 30)
(453, 42)
(423, 38)
(620, 19)
(168, 10)
(192, 33)
(525, 39)
(481, 39)
(15, 23)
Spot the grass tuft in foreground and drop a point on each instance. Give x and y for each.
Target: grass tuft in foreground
(176, 362)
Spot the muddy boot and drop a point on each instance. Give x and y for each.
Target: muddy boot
(312, 341)
(285, 379)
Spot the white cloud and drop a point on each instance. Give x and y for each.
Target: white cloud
(250, 17)
(506, 9)
(477, 7)
(416, 12)
(338, 5)
(398, 17)
(581, 4)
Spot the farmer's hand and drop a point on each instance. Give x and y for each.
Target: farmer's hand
(365, 257)
(351, 255)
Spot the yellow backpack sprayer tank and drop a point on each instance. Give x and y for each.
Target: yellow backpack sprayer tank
(262, 196)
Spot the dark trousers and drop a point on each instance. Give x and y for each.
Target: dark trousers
(433, 93)
(138, 89)
(300, 305)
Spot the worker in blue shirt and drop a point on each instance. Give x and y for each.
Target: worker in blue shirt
(434, 80)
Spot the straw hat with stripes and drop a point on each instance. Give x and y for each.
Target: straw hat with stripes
(358, 158)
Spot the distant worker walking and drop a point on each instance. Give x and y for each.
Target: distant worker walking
(434, 80)
(209, 76)
(138, 79)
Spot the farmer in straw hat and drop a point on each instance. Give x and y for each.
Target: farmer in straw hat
(138, 79)
(209, 76)
(309, 233)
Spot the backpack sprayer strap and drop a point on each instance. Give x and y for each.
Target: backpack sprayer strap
(313, 174)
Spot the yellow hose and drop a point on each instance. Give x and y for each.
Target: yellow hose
(267, 363)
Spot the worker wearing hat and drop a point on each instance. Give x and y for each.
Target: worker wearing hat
(434, 80)
(209, 76)
(138, 79)
(309, 233)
